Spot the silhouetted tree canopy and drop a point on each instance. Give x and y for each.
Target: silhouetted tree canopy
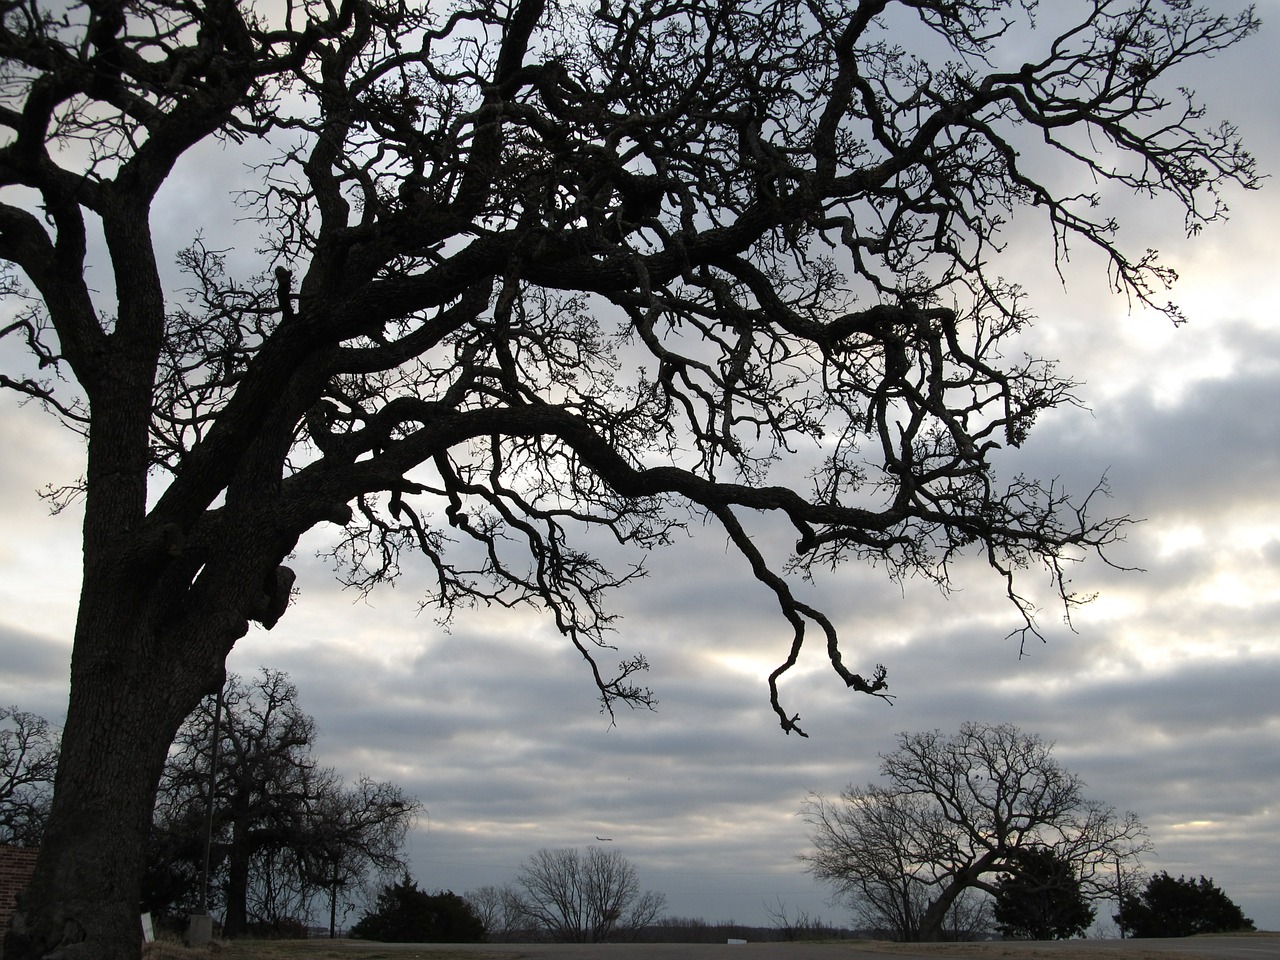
(287, 833)
(535, 284)
(590, 896)
(1041, 898)
(1180, 908)
(957, 812)
(405, 914)
(28, 761)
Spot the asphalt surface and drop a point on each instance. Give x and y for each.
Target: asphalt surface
(1195, 948)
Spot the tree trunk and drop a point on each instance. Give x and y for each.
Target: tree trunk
(125, 707)
(83, 898)
(149, 644)
(936, 913)
(235, 923)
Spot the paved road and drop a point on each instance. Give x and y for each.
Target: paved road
(1197, 948)
(1214, 948)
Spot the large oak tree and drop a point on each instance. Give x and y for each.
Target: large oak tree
(529, 270)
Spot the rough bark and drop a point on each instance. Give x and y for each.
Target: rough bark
(82, 900)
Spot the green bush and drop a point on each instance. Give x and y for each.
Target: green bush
(1180, 908)
(1041, 898)
(405, 914)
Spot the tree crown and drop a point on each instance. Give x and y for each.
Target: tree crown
(531, 270)
(1180, 908)
(1041, 898)
(28, 762)
(957, 812)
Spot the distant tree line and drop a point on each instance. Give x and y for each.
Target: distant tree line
(564, 895)
(976, 832)
(405, 914)
(698, 930)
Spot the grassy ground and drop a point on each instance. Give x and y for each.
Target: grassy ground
(321, 950)
(287, 950)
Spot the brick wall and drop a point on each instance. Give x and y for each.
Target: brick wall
(16, 867)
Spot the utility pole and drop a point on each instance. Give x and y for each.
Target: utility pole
(200, 924)
(1119, 898)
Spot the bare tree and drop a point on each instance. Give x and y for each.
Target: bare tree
(585, 898)
(797, 924)
(501, 909)
(877, 829)
(972, 916)
(529, 271)
(957, 811)
(266, 777)
(355, 839)
(284, 828)
(28, 761)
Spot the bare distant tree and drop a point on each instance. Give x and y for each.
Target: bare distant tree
(356, 840)
(955, 814)
(794, 923)
(285, 828)
(585, 897)
(501, 909)
(972, 915)
(531, 277)
(28, 762)
(875, 829)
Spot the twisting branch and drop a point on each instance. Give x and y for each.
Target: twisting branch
(535, 273)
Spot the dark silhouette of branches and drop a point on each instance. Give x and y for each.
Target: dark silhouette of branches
(535, 283)
(957, 811)
(28, 762)
(285, 830)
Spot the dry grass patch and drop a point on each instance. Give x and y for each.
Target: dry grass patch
(294, 950)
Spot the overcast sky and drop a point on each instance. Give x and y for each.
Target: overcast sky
(1164, 699)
